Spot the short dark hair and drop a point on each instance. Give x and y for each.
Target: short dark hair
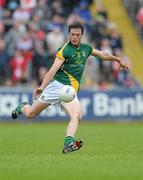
(76, 25)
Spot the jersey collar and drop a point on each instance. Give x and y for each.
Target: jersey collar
(75, 46)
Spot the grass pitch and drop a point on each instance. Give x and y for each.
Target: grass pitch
(32, 151)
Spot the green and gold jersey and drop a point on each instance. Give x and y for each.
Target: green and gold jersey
(74, 62)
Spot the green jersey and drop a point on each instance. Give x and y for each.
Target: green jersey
(74, 62)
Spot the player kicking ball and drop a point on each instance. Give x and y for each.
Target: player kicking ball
(67, 69)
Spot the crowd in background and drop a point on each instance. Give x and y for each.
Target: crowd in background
(32, 31)
(135, 11)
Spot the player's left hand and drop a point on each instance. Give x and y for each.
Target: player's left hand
(124, 64)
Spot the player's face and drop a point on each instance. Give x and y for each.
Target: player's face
(75, 36)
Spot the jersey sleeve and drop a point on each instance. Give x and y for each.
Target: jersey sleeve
(90, 49)
(61, 53)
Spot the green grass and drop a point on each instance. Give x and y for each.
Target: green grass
(32, 151)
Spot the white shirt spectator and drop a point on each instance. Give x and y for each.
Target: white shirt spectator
(22, 15)
(25, 43)
(55, 39)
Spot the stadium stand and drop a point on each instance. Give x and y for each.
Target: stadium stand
(27, 41)
(132, 44)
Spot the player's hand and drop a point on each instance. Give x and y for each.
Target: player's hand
(37, 92)
(124, 64)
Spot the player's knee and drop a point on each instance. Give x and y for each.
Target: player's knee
(77, 115)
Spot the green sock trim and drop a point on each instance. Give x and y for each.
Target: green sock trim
(18, 109)
(68, 140)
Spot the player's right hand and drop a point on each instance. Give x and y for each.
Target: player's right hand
(37, 92)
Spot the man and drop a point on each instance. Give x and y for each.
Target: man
(67, 69)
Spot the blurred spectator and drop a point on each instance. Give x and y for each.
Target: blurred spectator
(69, 6)
(98, 30)
(57, 21)
(83, 11)
(22, 15)
(91, 73)
(122, 78)
(2, 3)
(56, 7)
(41, 60)
(1, 13)
(13, 36)
(73, 17)
(55, 37)
(28, 4)
(101, 11)
(25, 42)
(41, 74)
(114, 37)
(19, 66)
(139, 17)
(39, 41)
(2, 30)
(42, 10)
(106, 73)
(4, 60)
(12, 5)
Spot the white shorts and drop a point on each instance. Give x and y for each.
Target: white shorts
(50, 95)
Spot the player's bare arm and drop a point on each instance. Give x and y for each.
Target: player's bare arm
(49, 76)
(109, 57)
